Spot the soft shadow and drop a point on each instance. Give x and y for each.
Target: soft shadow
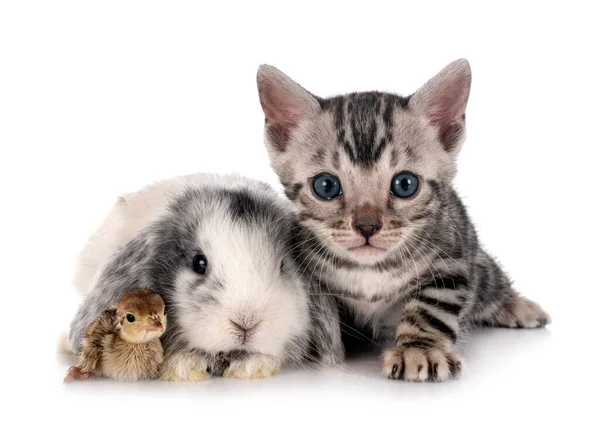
(486, 353)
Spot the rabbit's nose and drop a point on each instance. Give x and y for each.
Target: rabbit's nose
(243, 330)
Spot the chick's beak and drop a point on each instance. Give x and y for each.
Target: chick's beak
(156, 324)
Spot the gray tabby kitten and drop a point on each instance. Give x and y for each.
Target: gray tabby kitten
(382, 229)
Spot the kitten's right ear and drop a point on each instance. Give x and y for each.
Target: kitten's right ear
(284, 102)
(443, 100)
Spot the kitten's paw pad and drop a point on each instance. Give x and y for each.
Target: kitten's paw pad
(251, 368)
(193, 375)
(522, 313)
(418, 365)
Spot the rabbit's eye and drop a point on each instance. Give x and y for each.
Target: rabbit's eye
(200, 264)
(130, 318)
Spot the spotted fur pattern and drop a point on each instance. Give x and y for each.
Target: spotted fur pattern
(424, 279)
(244, 229)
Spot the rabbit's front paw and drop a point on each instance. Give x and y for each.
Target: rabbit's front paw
(193, 375)
(252, 367)
(184, 367)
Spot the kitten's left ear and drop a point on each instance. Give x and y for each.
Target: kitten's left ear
(285, 104)
(443, 100)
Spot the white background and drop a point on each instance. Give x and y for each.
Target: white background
(99, 98)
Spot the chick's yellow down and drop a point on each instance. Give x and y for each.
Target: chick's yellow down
(123, 343)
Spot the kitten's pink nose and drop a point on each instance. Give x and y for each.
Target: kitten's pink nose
(368, 230)
(367, 220)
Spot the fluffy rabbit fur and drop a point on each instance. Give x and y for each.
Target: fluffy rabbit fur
(243, 230)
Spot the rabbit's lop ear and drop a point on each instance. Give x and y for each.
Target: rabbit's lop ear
(123, 272)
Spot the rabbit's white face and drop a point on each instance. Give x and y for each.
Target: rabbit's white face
(232, 290)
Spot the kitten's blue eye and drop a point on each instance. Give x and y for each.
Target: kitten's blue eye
(327, 186)
(404, 185)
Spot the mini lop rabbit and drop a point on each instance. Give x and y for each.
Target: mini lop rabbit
(218, 250)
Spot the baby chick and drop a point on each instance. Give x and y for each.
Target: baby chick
(123, 343)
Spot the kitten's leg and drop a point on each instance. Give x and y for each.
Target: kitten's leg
(498, 304)
(184, 366)
(428, 330)
(325, 343)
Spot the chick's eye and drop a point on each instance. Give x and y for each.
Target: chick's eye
(200, 264)
(130, 318)
(327, 186)
(404, 185)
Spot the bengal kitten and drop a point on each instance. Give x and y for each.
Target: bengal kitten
(381, 227)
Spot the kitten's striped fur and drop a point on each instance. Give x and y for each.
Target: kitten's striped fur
(433, 280)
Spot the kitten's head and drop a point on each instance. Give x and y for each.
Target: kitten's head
(365, 170)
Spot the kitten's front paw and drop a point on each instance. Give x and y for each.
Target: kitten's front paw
(252, 367)
(419, 365)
